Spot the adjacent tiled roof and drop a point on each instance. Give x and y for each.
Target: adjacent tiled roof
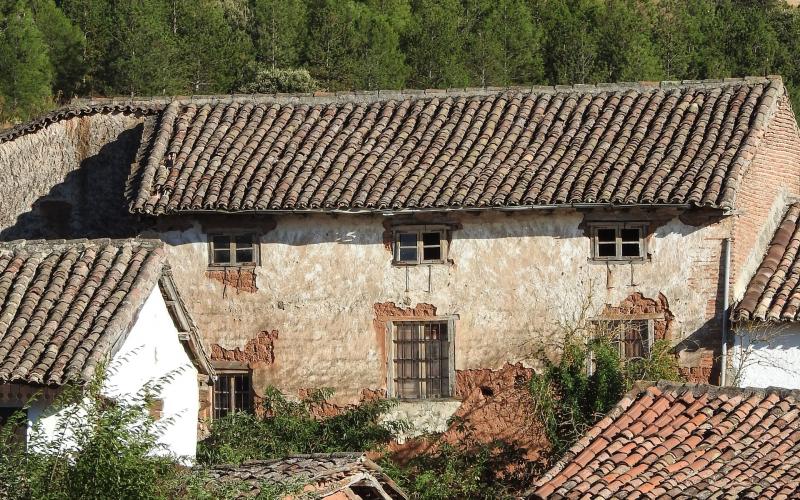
(65, 305)
(686, 441)
(773, 293)
(84, 107)
(685, 144)
(322, 473)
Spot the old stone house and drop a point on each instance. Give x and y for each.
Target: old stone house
(69, 308)
(393, 243)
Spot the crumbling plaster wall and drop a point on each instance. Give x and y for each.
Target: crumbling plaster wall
(512, 276)
(82, 160)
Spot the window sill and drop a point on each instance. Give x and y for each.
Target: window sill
(637, 260)
(449, 399)
(225, 267)
(419, 264)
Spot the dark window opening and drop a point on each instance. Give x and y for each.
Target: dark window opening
(619, 242)
(20, 416)
(237, 250)
(421, 360)
(232, 392)
(58, 215)
(419, 247)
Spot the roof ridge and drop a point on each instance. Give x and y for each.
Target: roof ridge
(429, 92)
(149, 242)
(710, 389)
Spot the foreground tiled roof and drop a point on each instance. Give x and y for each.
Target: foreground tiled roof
(686, 441)
(686, 144)
(64, 305)
(322, 474)
(774, 291)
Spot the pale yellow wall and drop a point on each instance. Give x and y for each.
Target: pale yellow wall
(512, 278)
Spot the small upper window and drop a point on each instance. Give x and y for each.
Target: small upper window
(233, 250)
(419, 246)
(619, 242)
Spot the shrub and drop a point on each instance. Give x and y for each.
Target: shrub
(290, 427)
(100, 449)
(272, 81)
(569, 399)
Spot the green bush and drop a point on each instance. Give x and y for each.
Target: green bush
(290, 427)
(100, 449)
(569, 399)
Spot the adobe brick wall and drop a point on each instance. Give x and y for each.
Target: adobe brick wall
(772, 179)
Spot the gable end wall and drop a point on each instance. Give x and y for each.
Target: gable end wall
(771, 182)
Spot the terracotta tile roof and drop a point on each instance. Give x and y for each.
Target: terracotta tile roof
(773, 293)
(686, 144)
(686, 441)
(322, 473)
(65, 305)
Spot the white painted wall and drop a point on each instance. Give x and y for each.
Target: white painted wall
(768, 357)
(151, 351)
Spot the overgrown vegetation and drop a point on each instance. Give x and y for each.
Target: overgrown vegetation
(110, 449)
(51, 50)
(289, 427)
(570, 397)
(101, 449)
(466, 469)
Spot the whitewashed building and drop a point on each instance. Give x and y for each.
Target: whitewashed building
(68, 308)
(766, 350)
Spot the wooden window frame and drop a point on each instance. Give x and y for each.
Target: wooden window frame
(419, 231)
(231, 395)
(648, 347)
(391, 328)
(618, 227)
(232, 247)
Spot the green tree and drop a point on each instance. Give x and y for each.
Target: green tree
(94, 20)
(143, 49)
(572, 41)
(679, 38)
(64, 46)
(27, 73)
(211, 52)
(352, 46)
(279, 31)
(750, 41)
(503, 43)
(435, 44)
(626, 47)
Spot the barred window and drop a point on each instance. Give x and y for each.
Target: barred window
(634, 337)
(232, 393)
(421, 364)
(233, 250)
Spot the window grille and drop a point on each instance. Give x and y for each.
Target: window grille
(421, 359)
(232, 393)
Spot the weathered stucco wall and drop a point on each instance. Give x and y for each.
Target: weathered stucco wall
(324, 282)
(767, 356)
(83, 161)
